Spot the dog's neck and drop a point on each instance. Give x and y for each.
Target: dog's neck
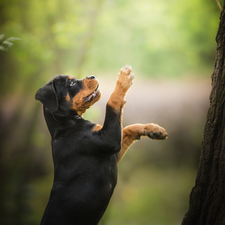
(59, 119)
(58, 116)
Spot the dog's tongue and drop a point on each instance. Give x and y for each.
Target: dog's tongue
(92, 95)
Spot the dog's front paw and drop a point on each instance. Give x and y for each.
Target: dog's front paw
(125, 77)
(154, 131)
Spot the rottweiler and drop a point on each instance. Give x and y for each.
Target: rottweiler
(85, 154)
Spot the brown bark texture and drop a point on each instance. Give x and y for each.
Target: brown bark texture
(207, 198)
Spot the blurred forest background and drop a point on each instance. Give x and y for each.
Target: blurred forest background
(171, 46)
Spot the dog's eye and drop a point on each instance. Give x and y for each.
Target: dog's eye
(72, 83)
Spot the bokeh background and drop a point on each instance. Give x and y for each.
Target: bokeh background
(171, 46)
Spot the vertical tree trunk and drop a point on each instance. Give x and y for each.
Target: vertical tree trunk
(207, 199)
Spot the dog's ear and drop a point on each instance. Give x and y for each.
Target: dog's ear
(47, 96)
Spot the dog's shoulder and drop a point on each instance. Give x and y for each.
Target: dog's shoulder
(65, 125)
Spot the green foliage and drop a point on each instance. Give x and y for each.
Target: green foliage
(5, 44)
(53, 34)
(158, 38)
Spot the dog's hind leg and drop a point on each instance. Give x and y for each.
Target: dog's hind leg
(136, 131)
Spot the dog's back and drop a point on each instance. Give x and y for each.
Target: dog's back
(84, 176)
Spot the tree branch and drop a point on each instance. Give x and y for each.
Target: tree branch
(220, 7)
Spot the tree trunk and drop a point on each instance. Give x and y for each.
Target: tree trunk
(207, 199)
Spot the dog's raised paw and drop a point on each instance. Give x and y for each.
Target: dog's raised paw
(157, 135)
(125, 77)
(154, 131)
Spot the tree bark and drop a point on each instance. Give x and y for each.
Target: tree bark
(207, 198)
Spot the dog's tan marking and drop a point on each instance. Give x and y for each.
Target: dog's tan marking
(123, 83)
(78, 103)
(134, 132)
(68, 97)
(97, 127)
(71, 78)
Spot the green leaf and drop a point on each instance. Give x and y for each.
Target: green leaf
(8, 43)
(1, 36)
(13, 39)
(2, 48)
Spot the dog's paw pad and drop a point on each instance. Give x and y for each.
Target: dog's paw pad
(157, 132)
(157, 135)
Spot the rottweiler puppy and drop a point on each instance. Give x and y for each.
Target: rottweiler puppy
(85, 154)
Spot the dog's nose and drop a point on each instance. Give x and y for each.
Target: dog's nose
(91, 77)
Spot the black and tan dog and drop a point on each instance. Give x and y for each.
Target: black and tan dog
(85, 155)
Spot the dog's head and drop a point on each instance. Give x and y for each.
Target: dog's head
(66, 94)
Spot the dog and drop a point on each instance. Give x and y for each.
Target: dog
(85, 154)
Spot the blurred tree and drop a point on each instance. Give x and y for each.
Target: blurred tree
(158, 38)
(47, 29)
(207, 199)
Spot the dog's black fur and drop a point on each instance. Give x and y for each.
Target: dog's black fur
(85, 163)
(85, 155)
